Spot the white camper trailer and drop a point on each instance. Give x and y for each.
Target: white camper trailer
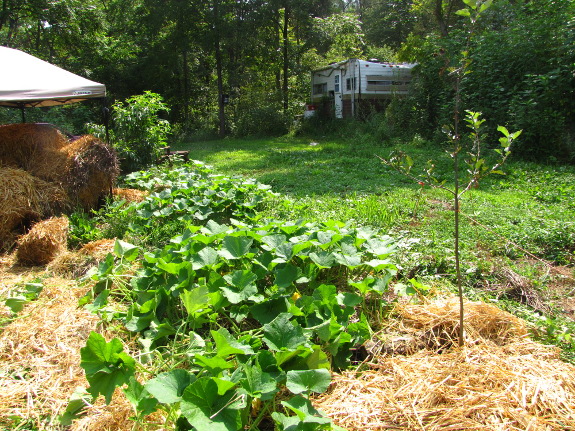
(353, 86)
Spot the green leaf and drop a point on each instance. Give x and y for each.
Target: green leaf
(235, 247)
(258, 384)
(323, 259)
(282, 334)
(143, 403)
(268, 310)
(169, 387)
(126, 251)
(206, 257)
(306, 381)
(206, 408)
(78, 401)
(196, 299)
(16, 303)
(241, 286)
(285, 276)
(106, 365)
(227, 345)
(463, 12)
(215, 365)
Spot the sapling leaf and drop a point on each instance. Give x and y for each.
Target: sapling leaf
(306, 381)
(169, 387)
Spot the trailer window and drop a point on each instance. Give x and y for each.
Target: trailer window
(320, 88)
(350, 84)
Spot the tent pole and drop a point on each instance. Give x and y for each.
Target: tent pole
(23, 110)
(106, 116)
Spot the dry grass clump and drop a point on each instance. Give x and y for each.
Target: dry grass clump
(501, 380)
(130, 195)
(43, 242)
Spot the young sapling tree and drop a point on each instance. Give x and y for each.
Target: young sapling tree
(469, 146)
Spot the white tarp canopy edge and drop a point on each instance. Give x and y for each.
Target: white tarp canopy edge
(27, 81)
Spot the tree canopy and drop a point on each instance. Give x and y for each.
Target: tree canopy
(244, 65)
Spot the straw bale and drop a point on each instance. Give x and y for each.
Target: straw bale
(510, 383)
(91, 170)
(24, 199)
(130, 195)
(26, 146)
(44, 242)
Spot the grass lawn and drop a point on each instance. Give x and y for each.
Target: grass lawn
(522, 221)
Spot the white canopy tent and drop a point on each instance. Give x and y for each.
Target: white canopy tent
(27, 81)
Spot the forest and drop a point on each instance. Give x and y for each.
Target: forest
(242, 67)
(222, 262)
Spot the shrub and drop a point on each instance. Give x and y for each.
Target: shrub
(137, 132)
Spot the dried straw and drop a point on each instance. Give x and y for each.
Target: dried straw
(75, 264)
(44, 242)
(91, 170)
(501, 381)
(30, 147)
(40, 353)
(25, 198)
(130, 195)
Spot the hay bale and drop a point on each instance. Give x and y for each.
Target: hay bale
(44, 242)
(33, 148)
(25, 199)
(490, 384)
(130, 195)
(91, 170)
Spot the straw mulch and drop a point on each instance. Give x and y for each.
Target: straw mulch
(501, 380)
(24, 199)
(40, 355)
(130, 195)
(46, 240)
(40, 358)
(76, 264)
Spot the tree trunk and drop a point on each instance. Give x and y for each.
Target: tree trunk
(285, 36)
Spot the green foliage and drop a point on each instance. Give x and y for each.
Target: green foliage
(260, 119)
(22, 295)
(106, 365)
(138, 133)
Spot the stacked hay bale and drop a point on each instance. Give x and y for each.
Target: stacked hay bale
(46, 240)
(43, 173)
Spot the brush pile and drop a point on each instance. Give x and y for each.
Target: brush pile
(500, 380)
(43, 173)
